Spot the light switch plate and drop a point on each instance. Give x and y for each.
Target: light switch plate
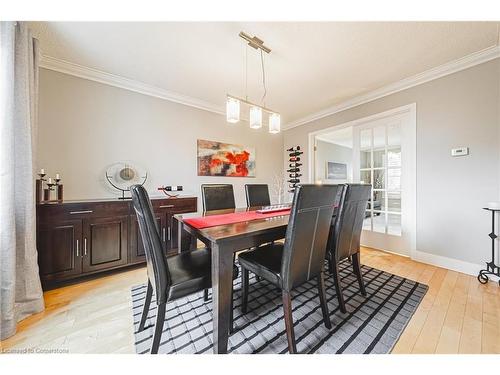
(460, 151)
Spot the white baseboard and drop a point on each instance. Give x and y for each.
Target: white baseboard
(450, 263)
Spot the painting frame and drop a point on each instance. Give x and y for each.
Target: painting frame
(336, 170)
(222, 159)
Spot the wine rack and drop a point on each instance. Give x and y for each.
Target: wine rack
(294, 168)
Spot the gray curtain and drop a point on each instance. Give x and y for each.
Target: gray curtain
(20, 291)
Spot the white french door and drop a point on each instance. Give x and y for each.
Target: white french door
(384, 156)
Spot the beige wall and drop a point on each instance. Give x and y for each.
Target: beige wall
(457, 110)
(84, 126)
(326, 152)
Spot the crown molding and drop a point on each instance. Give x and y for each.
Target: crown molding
(91, 74)
(463, 63)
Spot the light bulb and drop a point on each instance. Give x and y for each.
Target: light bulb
(274, 123)
(255, 117)
(232, 110)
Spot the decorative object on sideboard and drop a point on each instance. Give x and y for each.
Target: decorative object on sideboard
(44, 194)
(170, 191)
(294, 168)
(225, 159)
(39, 186)
(124, 174)
(233, 103)
(278, 187)
(491, 267)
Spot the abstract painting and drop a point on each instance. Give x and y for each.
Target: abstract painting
(224, 159)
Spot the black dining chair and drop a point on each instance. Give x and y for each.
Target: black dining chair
(217, 197)
(345, 234)
(171, 277)
(301, 257)
(257, 195)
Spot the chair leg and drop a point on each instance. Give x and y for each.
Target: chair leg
(356, 265)
(244, 290)
(322, 301)
(287, 311)
(338, 286)
(205, 295)
(145, 310)
(160, 319)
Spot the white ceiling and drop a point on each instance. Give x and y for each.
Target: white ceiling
(312, 66)
(341, 137)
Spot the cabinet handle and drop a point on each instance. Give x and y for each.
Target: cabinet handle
(167, 206)
(163, 233)
(169, 233)
(80, 212)
(85, 246)
(77, 248)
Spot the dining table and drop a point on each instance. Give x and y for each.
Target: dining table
(226, 232)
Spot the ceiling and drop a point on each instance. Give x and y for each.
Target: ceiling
(341, 137)
(312, 66)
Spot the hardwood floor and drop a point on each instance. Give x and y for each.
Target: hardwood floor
(457, 315)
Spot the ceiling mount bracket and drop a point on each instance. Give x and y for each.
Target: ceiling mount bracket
(255, 42)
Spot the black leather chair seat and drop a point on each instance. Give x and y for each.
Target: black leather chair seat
(265, 261)
(191, 272)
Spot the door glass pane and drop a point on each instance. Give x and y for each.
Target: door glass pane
(379, 137)
(394, 179)
(394, 157)
(394, 224)
(379, 200)
(367, 222)
(379, 222)
(379, 158)
(365, 139)
(394, 135)
(365, 177)
(394, 201)
(365, 159)
(379, 179)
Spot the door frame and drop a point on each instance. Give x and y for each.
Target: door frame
(411, 129)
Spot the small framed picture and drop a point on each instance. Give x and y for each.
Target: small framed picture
(336, 171)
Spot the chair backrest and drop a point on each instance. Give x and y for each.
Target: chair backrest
(307, 233)
(217, 196)
(158, 273)
(345, 233)
(257, 195)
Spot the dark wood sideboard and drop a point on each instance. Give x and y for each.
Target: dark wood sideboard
(81, 238)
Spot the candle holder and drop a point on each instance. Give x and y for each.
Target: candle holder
(59, 189)
(39, 187)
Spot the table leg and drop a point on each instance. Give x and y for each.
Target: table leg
(222, 278)
(185, 241)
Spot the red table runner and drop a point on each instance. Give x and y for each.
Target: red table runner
(236, 217)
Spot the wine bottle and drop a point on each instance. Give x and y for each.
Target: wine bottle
(294, 165)
(293, 170)
(294, 158)
(295, 153)
(294, 181)
(294, 148)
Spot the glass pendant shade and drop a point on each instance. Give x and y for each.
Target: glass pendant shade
(274, 123)
(255, 117)
(232, 110)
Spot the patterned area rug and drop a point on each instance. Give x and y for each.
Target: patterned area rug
(372, 324)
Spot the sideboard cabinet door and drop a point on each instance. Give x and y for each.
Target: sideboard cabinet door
(59, 245)
(136, 253)
(104, 243)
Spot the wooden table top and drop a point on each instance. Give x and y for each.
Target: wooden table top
(234, 230)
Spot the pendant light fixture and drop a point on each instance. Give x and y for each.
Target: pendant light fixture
(234, 104)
